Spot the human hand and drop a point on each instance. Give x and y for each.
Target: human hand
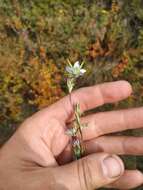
(38, 155)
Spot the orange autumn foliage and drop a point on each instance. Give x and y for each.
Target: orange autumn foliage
(121, 66)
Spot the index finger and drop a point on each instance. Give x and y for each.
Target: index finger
(90, 97)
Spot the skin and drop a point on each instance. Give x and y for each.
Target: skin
(38, 156)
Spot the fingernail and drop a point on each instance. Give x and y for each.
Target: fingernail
(112, 167)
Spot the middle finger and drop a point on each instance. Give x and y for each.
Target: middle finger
(113, 121)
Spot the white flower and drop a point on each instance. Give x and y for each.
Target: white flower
(75, 70)
(71, 132)
(76, 143)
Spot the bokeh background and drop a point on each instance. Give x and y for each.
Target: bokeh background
(37, 38)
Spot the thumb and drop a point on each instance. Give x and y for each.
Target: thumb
(88, 173)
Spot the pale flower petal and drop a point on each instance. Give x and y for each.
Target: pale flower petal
(82, 71)
(77, 65)
(69, 69)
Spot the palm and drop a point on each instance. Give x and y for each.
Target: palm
(46, 139)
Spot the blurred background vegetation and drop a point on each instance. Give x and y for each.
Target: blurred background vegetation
(36, 39)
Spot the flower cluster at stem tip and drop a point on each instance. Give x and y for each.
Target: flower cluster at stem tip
(74, 71)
